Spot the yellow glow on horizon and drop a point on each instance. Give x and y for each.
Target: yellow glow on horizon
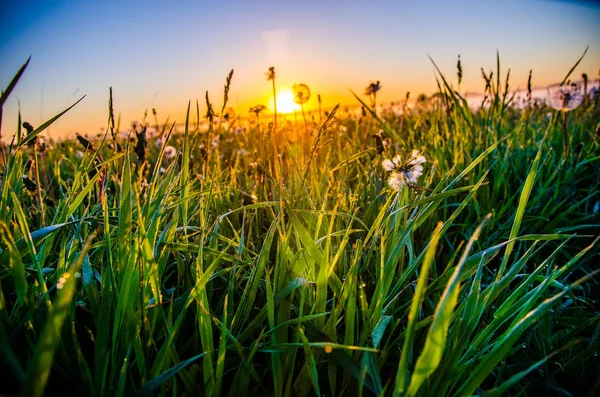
(285, 102)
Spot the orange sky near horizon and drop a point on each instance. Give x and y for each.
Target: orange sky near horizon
(82, 48)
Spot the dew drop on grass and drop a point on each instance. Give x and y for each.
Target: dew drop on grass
(524, 346)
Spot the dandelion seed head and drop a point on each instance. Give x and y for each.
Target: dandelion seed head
(565, 98)
(170, 152)
(301, 93)
(396, 181)
(404, 174)
(372, 88)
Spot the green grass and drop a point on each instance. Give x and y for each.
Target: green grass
(278, 262)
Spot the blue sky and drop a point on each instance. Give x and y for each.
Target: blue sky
(162, 54)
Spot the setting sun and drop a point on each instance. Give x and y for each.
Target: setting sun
(285, 102)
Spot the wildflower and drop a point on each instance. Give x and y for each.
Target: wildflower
(29, 184)
(372, 88)
(270, 73)
(214, 143)
(379, 145)
(257, 109)
(271, 77)
(301, 93)
(459, 70)
(79, 154)
(229, 114)
(29, 128)
(170, 152)
(141, 144)
(87, 145)
(565, 98)
(404, 174)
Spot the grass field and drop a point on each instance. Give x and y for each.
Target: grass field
(295, 261)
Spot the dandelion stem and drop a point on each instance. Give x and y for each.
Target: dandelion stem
(274, 103)
(39, 187)
(565, 140)
(305, 124)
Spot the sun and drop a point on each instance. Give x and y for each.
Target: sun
(285, 102)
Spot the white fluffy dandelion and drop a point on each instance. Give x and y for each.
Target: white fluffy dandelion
(565, 97)
(404, 174)
(170, 152)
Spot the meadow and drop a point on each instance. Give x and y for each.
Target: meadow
(249, 257)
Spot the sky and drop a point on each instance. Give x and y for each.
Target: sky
(162, 54)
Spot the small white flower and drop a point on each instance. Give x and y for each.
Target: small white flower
(390, 165)
(170, 152)
(565, 98)
(79, 154)
(396, 181)
(404, 174)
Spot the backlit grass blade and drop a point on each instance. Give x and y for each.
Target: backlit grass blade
(11, 258)
(6, 92)
(520, 211)
(38, 130)
(43, 357)
(402, 376)
(501, 348)
(153, 384)
(435, 342)
(310, 364)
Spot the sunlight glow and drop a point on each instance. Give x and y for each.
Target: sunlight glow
(285, 102)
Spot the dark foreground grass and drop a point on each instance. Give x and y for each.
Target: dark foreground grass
(276, 261)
